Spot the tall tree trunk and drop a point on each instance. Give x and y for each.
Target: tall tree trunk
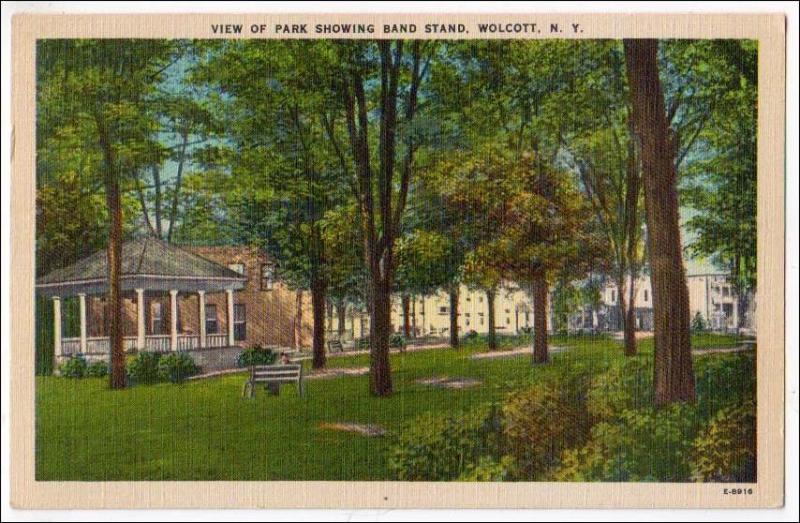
(492, 338)
(627, 314)
(380, 378)
(630, 327)
(118, 376)
(297, 324)
(454, 316)
(157, 202)
(674, 377)
(414, 317)
(318, 304)
(406, 302)
(173, 214)
(341, 317)
(539, 291)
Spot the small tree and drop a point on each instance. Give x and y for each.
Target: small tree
(699, 323)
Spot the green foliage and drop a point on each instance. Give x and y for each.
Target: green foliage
(255, 355)
(640, 445)
(397, 341)
(97, 369)
(566, 299)
(474, 340)
(442, 447)
(143, 367)
(539, 424)
(45, 352)
(626, 385)
(426, 259)
(725, 450)
(699, 323)
(176, 367)
(74, 367)
(719, 175)
(490, 469)
(724, 380)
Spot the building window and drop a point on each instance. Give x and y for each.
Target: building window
(239, 322)
(267, 276)
(480, 299)
(508, 321)
(212, 325)
(613, 296)
(443, 310)
(156, 318)
(645, 295)
(481, 320)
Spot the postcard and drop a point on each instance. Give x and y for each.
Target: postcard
(390, 260)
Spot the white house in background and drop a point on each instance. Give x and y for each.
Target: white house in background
(430, 315)
(710, 294)
(714, 297)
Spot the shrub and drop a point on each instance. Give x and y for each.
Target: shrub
(143, 368)
(725, 450)
(471, 335)
(176, 367)
(255, 355)
(98, 369)
(489, 469)
(434, 447)
(639, 445)
(397, 341)
(74, 367)
(626, 385)
(699, 323)
(723, 380)
(539, 423)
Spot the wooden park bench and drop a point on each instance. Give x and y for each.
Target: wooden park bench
(272, 376)
(335, 346)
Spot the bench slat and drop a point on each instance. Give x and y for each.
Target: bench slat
(275, 374)
(277, 380)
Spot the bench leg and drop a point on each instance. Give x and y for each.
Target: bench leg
(248, 390)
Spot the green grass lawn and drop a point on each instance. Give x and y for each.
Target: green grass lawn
(205, 430)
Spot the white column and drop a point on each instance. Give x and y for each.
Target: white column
(82, 298)
(140, 331)
(173, 319)
(201, 296)
(57, 325)
(229, 292)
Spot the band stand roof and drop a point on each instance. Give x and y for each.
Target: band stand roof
(147, 263)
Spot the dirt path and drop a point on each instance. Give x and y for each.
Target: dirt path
(519, 351)
(723, 350)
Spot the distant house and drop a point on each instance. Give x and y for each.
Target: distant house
(711, 295)
(179, 299)
(430, 315)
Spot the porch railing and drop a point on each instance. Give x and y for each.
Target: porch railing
(153, 343)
